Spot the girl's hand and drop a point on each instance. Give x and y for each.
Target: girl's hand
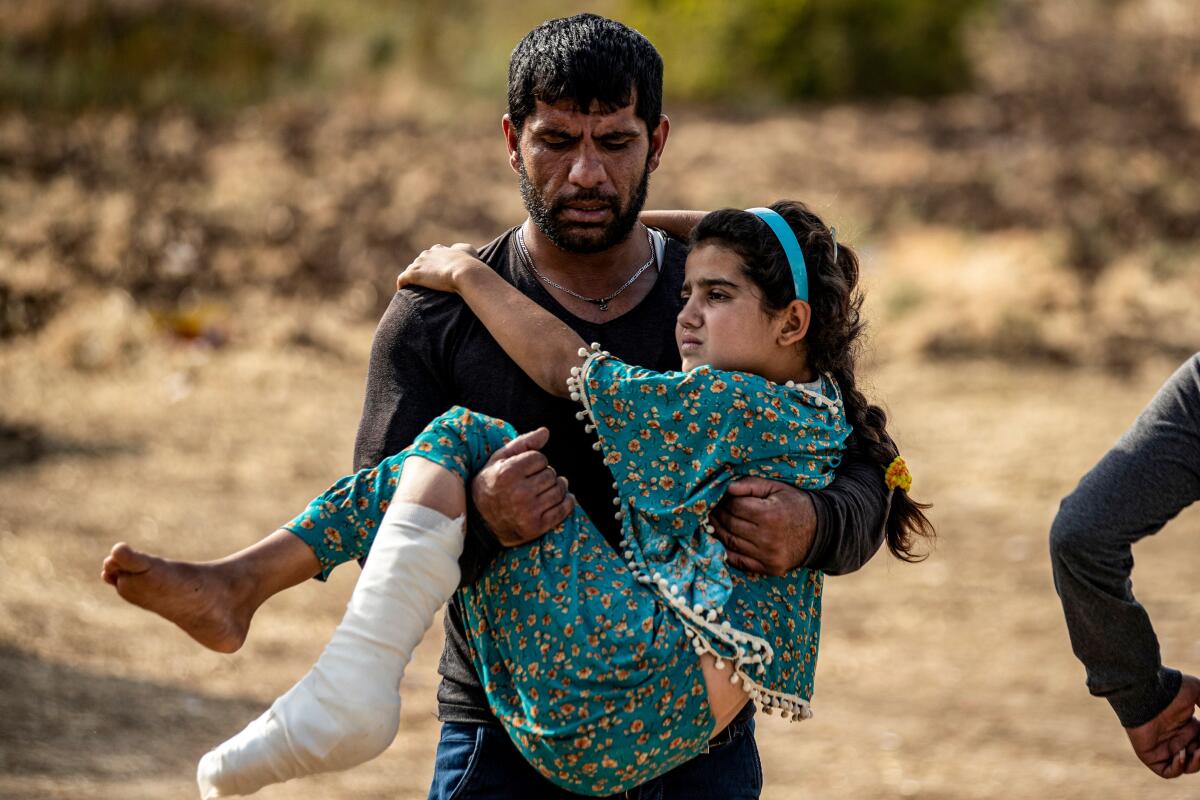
(440, 268)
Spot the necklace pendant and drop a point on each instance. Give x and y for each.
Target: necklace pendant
(527, 259)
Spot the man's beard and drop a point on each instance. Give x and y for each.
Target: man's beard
(574, 238)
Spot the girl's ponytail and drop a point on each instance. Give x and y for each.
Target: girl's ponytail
(906, 521)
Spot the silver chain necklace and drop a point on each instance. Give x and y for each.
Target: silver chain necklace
(599, 301)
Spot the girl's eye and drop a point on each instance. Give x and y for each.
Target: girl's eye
(717, 295)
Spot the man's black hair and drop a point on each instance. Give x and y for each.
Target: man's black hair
(584, 58)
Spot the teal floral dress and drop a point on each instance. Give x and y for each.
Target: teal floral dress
(588, 655)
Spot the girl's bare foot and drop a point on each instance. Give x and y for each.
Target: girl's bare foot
(211, 602)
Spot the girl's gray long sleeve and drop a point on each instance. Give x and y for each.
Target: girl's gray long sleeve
(1149, 476)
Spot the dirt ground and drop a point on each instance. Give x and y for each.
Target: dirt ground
(1031, 255)
(948, 679)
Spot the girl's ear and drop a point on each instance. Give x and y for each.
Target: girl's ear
(795, 323)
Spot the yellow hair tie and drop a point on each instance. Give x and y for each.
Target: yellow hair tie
(897, 475)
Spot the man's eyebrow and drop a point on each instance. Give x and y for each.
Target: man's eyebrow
(622, 133)
(549, 129)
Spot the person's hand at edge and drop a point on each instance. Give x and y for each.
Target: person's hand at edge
(767, 527)
(1169, 744)
(518, 494)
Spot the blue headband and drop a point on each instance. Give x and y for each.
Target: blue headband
(791, 248)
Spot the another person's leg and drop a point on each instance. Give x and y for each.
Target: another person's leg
(214, 601)
(346, 709)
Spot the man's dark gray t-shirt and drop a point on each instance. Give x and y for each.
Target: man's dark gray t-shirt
(430, 352)
(1149, 476)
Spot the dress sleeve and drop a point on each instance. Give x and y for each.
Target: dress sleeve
(675, 429)
(405, 389)
(851, 513)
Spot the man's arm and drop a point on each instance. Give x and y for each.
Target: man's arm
(676, 223)
(405, 389)
(1151, 474)
(770, 527)
(516, 497)
(850, 515)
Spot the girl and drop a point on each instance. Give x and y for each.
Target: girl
(605, 668)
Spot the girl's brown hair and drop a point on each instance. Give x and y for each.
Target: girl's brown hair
(833, 342)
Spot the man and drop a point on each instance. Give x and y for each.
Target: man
(1149, 476)
(584, 130)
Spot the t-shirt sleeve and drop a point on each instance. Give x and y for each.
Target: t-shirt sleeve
(405, 389)
(851, 513)
(408, 386)
(1144, 481)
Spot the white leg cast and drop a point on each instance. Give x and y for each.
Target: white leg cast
(346, 709)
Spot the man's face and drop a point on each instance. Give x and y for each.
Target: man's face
(584, 176)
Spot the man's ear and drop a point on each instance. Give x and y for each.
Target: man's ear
(513, 141)
(658, 141)
(798, 314)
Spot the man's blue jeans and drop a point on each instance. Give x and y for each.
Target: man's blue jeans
(479, 762)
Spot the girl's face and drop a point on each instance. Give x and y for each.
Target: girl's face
(723, 322)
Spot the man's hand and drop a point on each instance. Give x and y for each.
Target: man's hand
(1169, 744)
(766, 526)
(517, 492)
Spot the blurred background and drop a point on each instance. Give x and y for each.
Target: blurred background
(203, 205)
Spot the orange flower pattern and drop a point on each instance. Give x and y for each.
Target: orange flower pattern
(723, 426)
(589, 664)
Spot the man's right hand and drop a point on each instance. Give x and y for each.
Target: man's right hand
(517, 492)
(1169, 744)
